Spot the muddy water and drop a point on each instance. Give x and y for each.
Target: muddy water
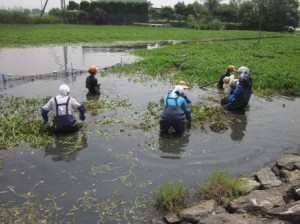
(118, 167)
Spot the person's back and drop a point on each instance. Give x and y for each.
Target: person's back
(175, 109)
(240, 97)
(91, 82)
(62, 106)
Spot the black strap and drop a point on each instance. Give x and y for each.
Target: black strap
(61, 104)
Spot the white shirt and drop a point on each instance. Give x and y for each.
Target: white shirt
(51, 106)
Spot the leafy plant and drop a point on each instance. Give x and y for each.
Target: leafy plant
(222, 187)
(170, 196)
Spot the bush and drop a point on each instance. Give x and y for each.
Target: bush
(170, 197)
(222, 187)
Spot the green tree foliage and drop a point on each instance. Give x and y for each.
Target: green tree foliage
(73, 6)
(84, 6)
(167, 13)
(180, 11)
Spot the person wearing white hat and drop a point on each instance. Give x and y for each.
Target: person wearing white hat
(176, 108)
(184, 95)
(62, 106)
(240, 96)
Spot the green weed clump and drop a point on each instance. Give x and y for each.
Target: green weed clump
(20, 122)
(170, 197)
(101, 104)
(222, 187)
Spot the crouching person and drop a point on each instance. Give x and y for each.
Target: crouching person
(239, 97)
(176, 108)
(62, 106)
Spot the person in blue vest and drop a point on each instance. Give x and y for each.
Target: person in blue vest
(62, 106)
(176, 108)
(239, 98)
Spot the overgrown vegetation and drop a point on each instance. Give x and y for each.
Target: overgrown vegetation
(21, 122)
(273, 62)
(222, 187)
(170, 197)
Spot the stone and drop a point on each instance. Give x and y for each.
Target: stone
(237, 219)
(195, 213)
(172, 218)
(257, 201)
(251, 184)
(288, 161)
(290, 212)
(291, 176)
(267, 178)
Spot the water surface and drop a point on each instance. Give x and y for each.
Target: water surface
(118, 167)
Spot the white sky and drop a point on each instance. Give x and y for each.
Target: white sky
(30, 4)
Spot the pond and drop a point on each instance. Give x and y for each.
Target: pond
(112, 176)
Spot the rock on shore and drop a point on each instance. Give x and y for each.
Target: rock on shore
(274, 198)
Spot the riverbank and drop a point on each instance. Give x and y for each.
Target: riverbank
(274, 198)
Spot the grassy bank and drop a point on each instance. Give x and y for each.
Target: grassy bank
(273, 59)
(23, 35)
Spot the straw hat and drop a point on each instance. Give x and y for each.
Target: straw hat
(183, 84)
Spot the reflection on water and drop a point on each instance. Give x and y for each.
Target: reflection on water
(238, 125)
(172, 145)
(45, 60)
(66, 147)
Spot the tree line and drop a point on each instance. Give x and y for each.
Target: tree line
(269, 15)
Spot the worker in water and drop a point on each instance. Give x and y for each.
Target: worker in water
(91, 83)
(176, 108)
(228, 73)
(184, 95)
(239, 98)
(62, 106)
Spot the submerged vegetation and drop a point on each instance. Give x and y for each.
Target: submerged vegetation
(21, 122)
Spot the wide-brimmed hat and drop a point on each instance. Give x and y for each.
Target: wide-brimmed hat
(183, 84)
(231, 68)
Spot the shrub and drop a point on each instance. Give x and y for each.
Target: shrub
(170, 197)
(222, 187)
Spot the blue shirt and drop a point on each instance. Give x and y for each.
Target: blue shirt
(171, 101)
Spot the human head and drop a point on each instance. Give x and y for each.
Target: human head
(231, 68)
(183, 84)
(178, 90)
(64, 90)
(93, 70)
(244, 70)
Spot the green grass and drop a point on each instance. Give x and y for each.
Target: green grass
(24, 35)
(170, 197)
(222, 187)
(274, 63)
(273, 59)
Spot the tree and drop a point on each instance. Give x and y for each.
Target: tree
(73, 6)
(166, 12)
(212, 5)
(84, 6)
(180, 10)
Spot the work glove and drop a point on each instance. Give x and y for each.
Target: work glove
(44, 114)
(82, 117)
(189, 124)
(45, 120)
(188, 115)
